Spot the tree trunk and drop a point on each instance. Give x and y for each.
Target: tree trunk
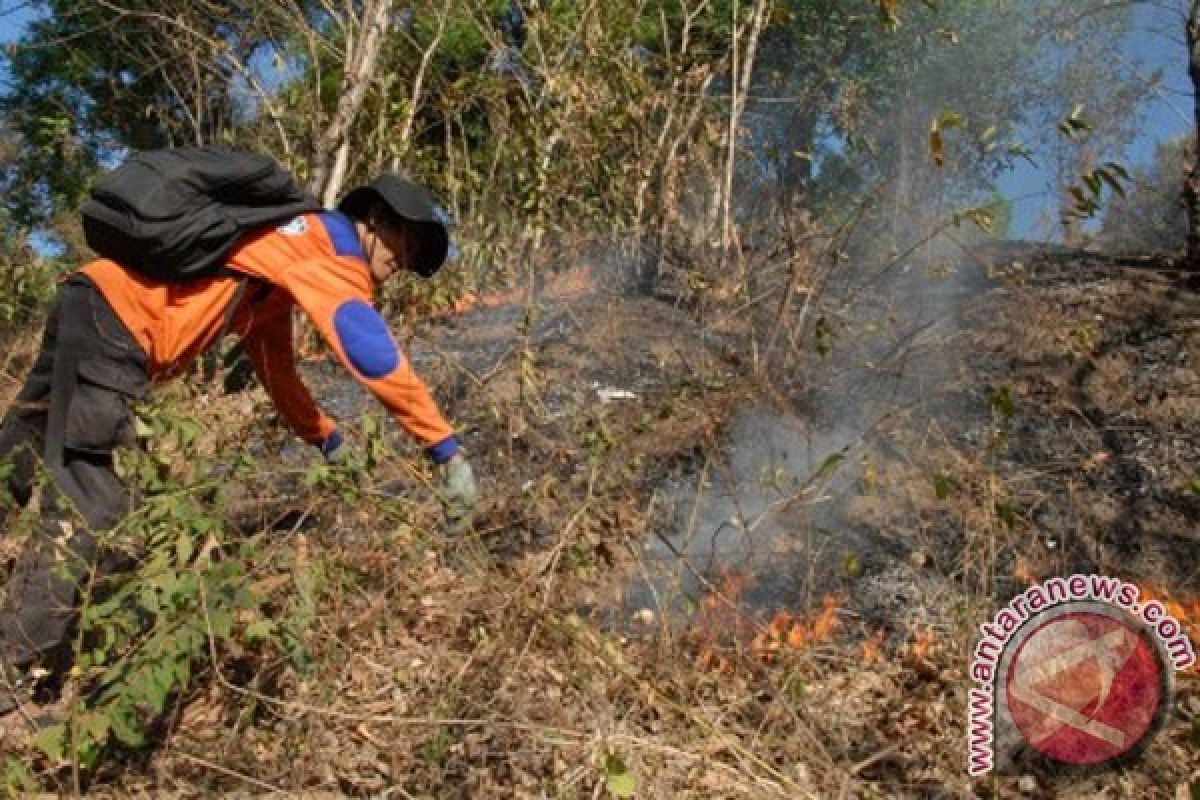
(741, 75)
(414, 102)
(331, 161)
(1191, 185)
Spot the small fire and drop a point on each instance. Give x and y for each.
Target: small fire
(1023, 571)
(787, 631)
(558, 286)
(729, 589)
(872, 649)
(915, 652)
(1185, 612)
(921, 646)
(471, 300)
(718, 621)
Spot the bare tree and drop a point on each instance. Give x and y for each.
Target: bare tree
(364, 37)
(740, 78)
(1191, 184)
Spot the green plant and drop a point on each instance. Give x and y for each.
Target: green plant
(16, 780)
(26, 284)
(142, 631)
(619, 781)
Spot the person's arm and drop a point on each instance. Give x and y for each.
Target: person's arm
(336, 295)
(269, 345)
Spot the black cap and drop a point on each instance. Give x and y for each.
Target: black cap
(412, 203)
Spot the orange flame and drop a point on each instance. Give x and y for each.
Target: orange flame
(1185, 612)
(872, 649)
(923, 644)
(470, 300)
(728, 590)
(1023, 572)
(827, 621)
(786, 631)
(558, 286)
(718, 622)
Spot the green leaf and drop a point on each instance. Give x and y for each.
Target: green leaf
(126, 729)
(619, 781)
(53, 742)
(982, 218)
(945, 120)
(1007, 513)
(942, 486)
(260, 630)
(148, 598)
(795, 687)
(184, 548)
(1001, 401)
(17, 779)
(1117, 168)
(1021, 151)
(1107, 176)
(938, 147)
(95, 727)
(221, 620)
(141, 428)
(831, 463)
(948, 119)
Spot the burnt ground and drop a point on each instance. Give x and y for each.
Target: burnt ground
(952, 435)
(964, 433)
(1104, 366)
(1066, 440)
(1078, 389)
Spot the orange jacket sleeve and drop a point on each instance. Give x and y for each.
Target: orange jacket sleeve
(336, 295)
(269, 345)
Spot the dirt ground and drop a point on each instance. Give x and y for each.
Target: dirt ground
(683, 583)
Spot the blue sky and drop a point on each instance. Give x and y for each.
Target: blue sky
(1156, 43)
(14, 16)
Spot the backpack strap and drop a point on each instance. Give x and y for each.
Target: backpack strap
(262, 289)
(232, 307)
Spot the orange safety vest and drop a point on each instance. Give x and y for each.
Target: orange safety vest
(315, 262)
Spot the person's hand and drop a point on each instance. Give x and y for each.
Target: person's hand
(459, 493)
(334, 448)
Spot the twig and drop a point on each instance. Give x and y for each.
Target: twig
(226, 771)
(876, 758)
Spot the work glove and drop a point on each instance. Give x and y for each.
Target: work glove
(334, 448)
(459, 493)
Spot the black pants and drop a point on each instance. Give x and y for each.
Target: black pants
(73, 411)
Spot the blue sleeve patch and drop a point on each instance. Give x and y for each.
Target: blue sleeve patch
(343, 235)
(444, 450)
(365, 337)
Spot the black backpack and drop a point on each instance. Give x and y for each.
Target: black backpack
(176, 214)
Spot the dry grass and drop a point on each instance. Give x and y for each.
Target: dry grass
(505, 664)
